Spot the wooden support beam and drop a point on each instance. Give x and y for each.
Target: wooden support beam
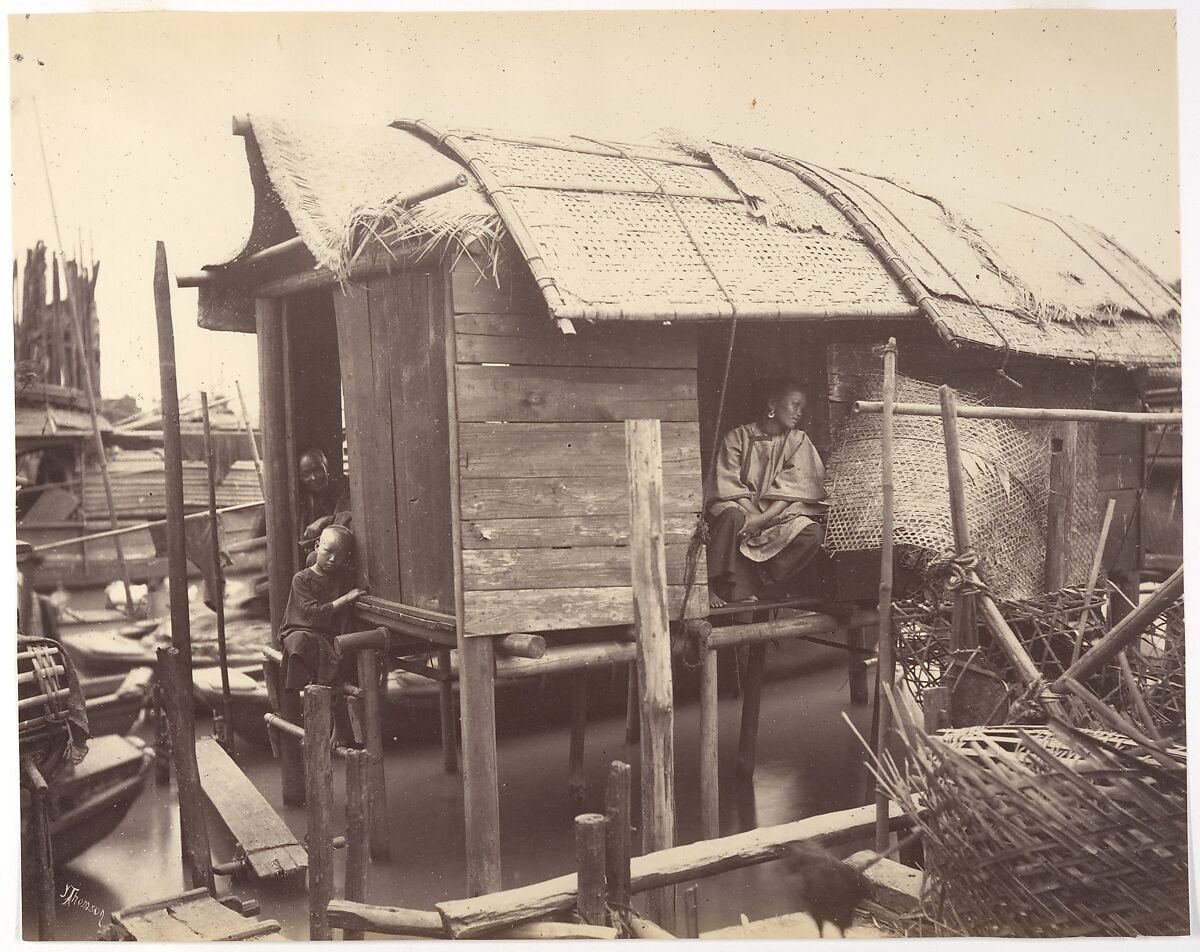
(781, 628)
(643, 449)
(589, 862)
(935, 703)
(972, 412)
(465, 918)
(225, 734)
(318, 782)
(193, 828)
(856, 664)
(281, 530)
(162, 738)
(618, 828)
(1060, 504)
(41, 863)
(357, 836)
(576, 774)
(691, 911)
(1126, 631)
(384, 920)
(447, 714)
(643, 928)
(371, 679)
(887, 644)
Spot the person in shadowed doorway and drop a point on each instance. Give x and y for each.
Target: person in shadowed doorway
(765, 502)
(324, 498)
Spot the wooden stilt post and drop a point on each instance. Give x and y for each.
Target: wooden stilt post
(193, 827)
(633, 706)
(449, 720)
(318, 782)
(162, 742)
(181, 633)
(643, 446)
(887, 651)
(281, 530)
(710, 787)
(751, 706)
(370, 680)
(576, 776)
(1060, 504)
(41, 863)
(856, 668)
(617, 814)
(691, 911)
(226, 733)
(357, 836)
(935, 704)
(589, 860)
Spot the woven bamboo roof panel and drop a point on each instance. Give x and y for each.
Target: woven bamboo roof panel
(695, 230)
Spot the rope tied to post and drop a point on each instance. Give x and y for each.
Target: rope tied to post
(957, 572)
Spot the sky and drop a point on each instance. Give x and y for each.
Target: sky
(1070, 110)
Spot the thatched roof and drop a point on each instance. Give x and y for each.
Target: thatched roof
(695, 230)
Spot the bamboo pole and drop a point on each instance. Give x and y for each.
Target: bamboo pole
(617, 832)
(1114, 721)
(589, 862)
(141, 526)
(710, 787)
(887, 650)
(1023, 413)
(466, 918)
(1060, 504)
(446, 713)
(643, 445)
(370, 680)
(1126, 631)
(962, 630)
(1139, 699)
(162, 738)
(318, 784)
(245, 416)
(42, 860)
(1093, 576)
(691, 911)
(181, 637)
(386, 920)
(576, 775)
(357, 837)
(193, 827)
(218, 597)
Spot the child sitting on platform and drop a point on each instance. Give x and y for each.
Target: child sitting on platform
(315, 614)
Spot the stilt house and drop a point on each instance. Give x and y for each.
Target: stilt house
(484, 311)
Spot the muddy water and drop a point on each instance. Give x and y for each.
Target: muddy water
(808, 763)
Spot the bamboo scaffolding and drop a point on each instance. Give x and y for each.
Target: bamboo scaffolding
(218, 597)
(971, 412)
(887, 645)
(139, 527)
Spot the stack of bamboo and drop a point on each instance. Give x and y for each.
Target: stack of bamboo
(46, 350)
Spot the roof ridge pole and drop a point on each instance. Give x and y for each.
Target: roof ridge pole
(512, 220)
(916, 290)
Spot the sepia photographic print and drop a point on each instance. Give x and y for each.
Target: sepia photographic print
(624, 474)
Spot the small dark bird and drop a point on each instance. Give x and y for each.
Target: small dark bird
(828, 889)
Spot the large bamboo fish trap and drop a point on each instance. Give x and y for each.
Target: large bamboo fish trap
(1045, 832)
(52, 717)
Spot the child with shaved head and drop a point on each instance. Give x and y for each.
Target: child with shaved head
(317, 612)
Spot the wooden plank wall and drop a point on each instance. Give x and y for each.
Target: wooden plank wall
(544, 493)
(394, 381)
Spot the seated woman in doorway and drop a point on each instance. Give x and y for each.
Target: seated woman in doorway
(324, 499)
(765, 501)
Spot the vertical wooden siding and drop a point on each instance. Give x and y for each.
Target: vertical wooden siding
(544, 493)
(394, 383)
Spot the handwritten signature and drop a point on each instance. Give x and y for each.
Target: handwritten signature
(70, 897)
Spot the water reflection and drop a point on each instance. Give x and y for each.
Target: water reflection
(809, 763)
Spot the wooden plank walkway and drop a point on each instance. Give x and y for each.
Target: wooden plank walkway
(193, 916)
(270, 848)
